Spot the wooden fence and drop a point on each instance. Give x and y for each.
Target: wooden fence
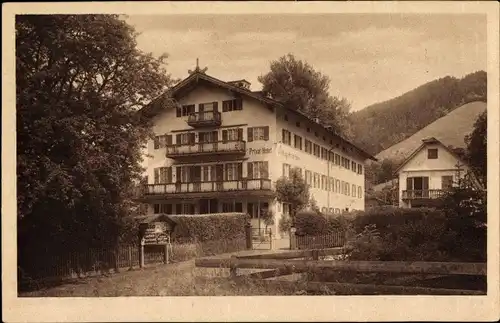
(337, 239)
(48, 267)
(286, 263)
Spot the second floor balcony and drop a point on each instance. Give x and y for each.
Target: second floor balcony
(204, 119)
(235, 147)
(422, 194)
(239, 187)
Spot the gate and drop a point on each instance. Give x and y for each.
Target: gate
(262, 238)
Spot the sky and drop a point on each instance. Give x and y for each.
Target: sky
(369, 58)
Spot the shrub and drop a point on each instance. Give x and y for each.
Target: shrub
(313, 223)
(212, 227)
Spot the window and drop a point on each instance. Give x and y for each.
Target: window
(317, 151)
(308, 146)
(285, 117)
(315, 133)
(187, 208)
(316, 180)
(286, 170)
(156, 208)
(331, 157)
(258, 169)
(360, 169)
(360, 192)
(163, 175)
(162, 141)
(432, 153)
(187, 138)
(308, 129)
(233, 171)
(185, 110)
(297, 124)
(232, 134)
(308, 177)
(343, 188)
(207, 173)
(337, 210)
(286, 137)
(258, 133)
(347, 189)
(337, 159)
(299, 170)
(297, 142)
(353, 190)
(232, 207)
(232, 105)
(324, 183)
(332, 184)
(211, 106)
(446, 182)
(324, 153)
(209, 136)
(353, 166)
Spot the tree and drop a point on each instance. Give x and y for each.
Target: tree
(477, 149)
(80, 81)
(297, 85)
(294, 191)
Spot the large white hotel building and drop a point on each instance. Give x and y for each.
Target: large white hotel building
(220, 147)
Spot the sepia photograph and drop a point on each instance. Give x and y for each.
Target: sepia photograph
(196, 151)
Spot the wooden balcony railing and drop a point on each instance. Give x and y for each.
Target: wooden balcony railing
(422, 194)
(241, 185)
(204, 119)
(205, 148)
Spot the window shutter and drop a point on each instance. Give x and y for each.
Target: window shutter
(201, 107)
(264, 170)
(178, 112)
(409, 183)
(224, 135)
(215, 135)
(157, 175)
(157, 142)
(266, 133)
(240, 133)
(178, 139)
(169, 174)
(169, 140)
(192, 138)
(177, 174)
(249, 134)
(240, 170)
(215, 106)
(224, 106)
(425, 183)
(250, 170)
(226, 171)
(238, 104)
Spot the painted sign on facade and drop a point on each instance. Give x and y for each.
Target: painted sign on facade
(259, 151)
(287, 154)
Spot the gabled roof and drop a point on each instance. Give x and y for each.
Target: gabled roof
(425, 142)
(167, 101)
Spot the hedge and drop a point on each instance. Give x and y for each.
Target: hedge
(211, 227)
(313, 223)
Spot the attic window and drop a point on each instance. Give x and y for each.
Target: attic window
(308, 129)
(324, 138)
(297, 124)
(331, 142)
(316, 134)
(285, 117)
(432, 153)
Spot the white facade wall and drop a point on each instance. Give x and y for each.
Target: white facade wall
(420, 166)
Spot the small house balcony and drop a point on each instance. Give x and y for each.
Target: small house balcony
(204, 119)
(230, 188)
(235, 148)
(422, 194)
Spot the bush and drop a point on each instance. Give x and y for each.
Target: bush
(284, 223)
(212, 227)
(313, 223)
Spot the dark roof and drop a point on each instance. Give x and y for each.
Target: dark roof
(167, 100)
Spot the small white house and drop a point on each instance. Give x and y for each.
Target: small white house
(428, 172)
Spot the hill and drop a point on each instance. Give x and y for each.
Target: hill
(384, 124)
(450, 129)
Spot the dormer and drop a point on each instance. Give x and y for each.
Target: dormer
(244, 84)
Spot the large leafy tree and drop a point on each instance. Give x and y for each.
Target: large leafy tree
(299, 86)
(477, 147)
(80, 80)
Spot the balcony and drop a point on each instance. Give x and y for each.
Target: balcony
(236, 147)
(204, 119)
(230, 188)
(422, 194)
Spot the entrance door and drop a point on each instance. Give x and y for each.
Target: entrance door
(419, 186)
(204, 206)
(214, 203)
(201, 115)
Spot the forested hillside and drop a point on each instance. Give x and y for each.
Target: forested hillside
(384, 124)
